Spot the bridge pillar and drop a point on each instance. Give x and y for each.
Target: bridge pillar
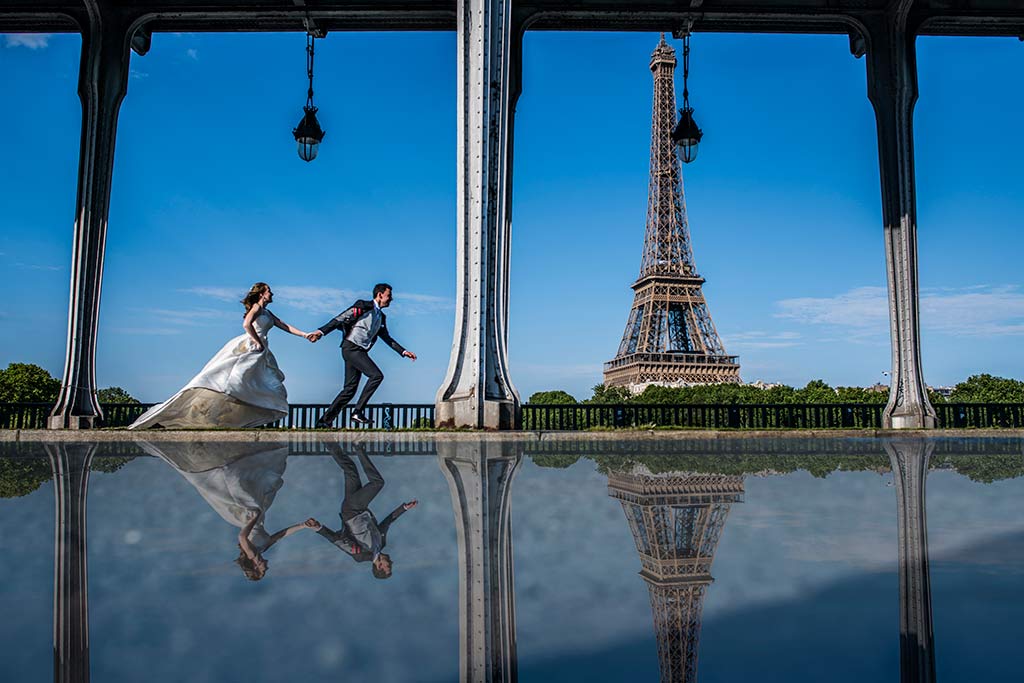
(477, 390)
(909, 462)
(70, 463)
(892, 89)
(480, 482)
(102, 84)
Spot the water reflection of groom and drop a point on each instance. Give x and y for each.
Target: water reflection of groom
(361, 536)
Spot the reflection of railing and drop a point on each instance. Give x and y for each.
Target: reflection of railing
(300, 416)
(761, 416)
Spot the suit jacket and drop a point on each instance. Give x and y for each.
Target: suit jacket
(347, 318)
(347, 543)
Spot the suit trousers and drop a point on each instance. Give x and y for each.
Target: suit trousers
(357, 495)
(357, 364)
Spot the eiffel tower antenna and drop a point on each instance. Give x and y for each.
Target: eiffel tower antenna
(670, 338)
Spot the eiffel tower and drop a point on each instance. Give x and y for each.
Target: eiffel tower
(669, 337)
(676, 520)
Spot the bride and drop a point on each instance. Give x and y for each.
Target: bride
(241, 386)
(240, 482)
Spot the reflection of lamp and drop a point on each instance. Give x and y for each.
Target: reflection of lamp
(686, 135)
(308, 133)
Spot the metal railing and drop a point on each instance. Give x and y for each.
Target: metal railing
(674, 358)
(574, 417)
(381, 416)
(758, 416)
(300, 415)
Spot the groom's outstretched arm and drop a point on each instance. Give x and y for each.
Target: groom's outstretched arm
(386, 336)
(343, 318)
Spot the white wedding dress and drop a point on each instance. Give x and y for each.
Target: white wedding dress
(236, 479)
(239, 387)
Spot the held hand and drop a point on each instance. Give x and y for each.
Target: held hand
(255, 346)
(314, 336)
(411, 504)
(408, 354)
(312, 524)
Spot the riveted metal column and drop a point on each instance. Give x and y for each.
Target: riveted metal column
(480, 482)
(909, 462)
(892, 89)
(102, 83)
(477, 390)
(70, 463)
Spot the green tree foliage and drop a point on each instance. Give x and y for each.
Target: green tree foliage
(552, 398)
(27, 383)
(819, 466)
(988, 389)
(555, 461)
(115, 395)
(20, 477)
(816, 391)
(609, 395)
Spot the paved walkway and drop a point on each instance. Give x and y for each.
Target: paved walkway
(406, 437)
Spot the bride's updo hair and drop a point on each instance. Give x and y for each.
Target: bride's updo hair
(255, 292)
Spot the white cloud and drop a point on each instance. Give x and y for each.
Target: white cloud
(329, 300)
(146, 331)
(34, 266)
(33, 41)
(191, 316)
(137, 75)
(761, 340)
(192, 53)
(977, 310)
(860, 308)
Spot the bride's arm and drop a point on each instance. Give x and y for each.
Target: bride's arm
(289, 328)
(249, 329)
(288, 531)
(243, 533)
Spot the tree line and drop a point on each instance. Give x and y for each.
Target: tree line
(983, 388)
(29, 383)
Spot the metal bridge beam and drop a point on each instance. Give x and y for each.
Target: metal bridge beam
(477, 390)
(892, 89)
(102, 84)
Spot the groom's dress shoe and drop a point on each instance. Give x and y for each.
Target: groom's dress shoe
(358, 418)
(321, 424)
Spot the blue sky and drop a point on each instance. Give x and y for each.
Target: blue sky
(210, 196)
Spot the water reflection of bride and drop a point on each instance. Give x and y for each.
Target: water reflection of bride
(240, 482)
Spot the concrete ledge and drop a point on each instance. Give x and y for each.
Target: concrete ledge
(404, 437)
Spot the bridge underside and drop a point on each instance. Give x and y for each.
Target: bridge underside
(477, 390)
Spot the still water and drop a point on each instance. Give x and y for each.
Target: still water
(571, 559)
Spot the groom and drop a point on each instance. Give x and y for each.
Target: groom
(361, 323)
(361, 536)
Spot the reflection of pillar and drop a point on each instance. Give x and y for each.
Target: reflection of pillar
(909, 461)
(676, 520)
(102, 83)
(70, 463)
(479, 478)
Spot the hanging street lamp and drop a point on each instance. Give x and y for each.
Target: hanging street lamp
(308, 133)
(686, 135)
